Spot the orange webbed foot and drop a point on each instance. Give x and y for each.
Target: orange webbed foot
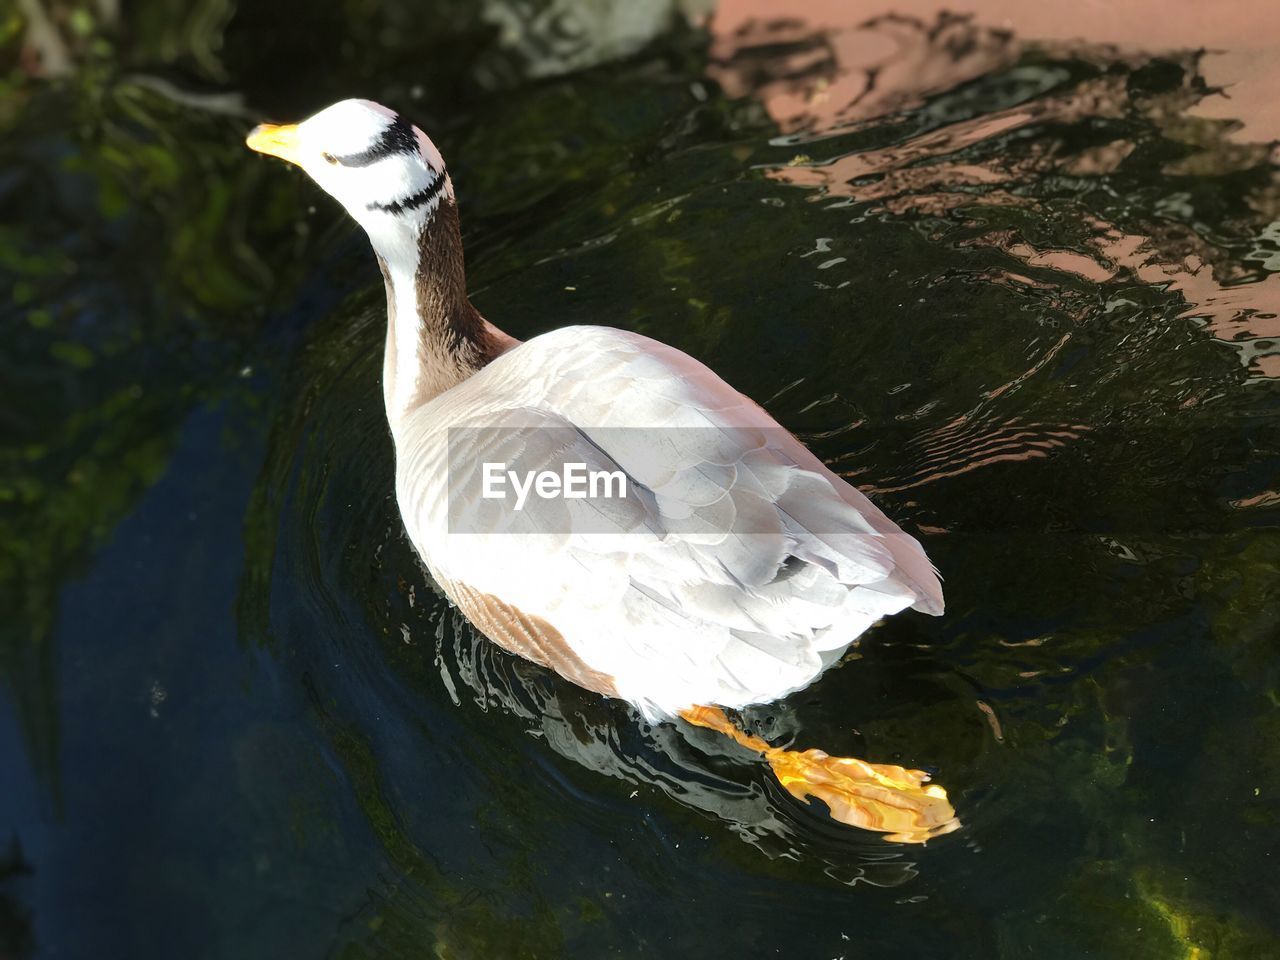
(873, 796)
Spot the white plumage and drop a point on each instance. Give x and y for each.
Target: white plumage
(738, 568)
(749, 569)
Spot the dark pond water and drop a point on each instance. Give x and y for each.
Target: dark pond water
(1015, 272)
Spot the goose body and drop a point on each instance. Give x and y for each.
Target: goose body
(736, 568)
(739, 568)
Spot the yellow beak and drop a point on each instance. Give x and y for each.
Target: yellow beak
(278, 141)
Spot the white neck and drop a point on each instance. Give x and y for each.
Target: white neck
(435, 344)
(395, 241)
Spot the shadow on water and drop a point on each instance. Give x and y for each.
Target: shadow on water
(1020, 287)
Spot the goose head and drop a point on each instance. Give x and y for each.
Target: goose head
(385, 171)
(391, 179)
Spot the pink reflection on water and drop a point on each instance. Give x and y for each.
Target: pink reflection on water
(835, 67)
(869, 71)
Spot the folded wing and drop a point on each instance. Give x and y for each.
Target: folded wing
(734, 568)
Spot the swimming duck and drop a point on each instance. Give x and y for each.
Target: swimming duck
(728, 566)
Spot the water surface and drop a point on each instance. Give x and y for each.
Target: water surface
(1014, 273)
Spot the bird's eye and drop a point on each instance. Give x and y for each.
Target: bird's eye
(329, 158)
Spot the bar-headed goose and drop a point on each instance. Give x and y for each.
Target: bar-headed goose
(718, 563)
